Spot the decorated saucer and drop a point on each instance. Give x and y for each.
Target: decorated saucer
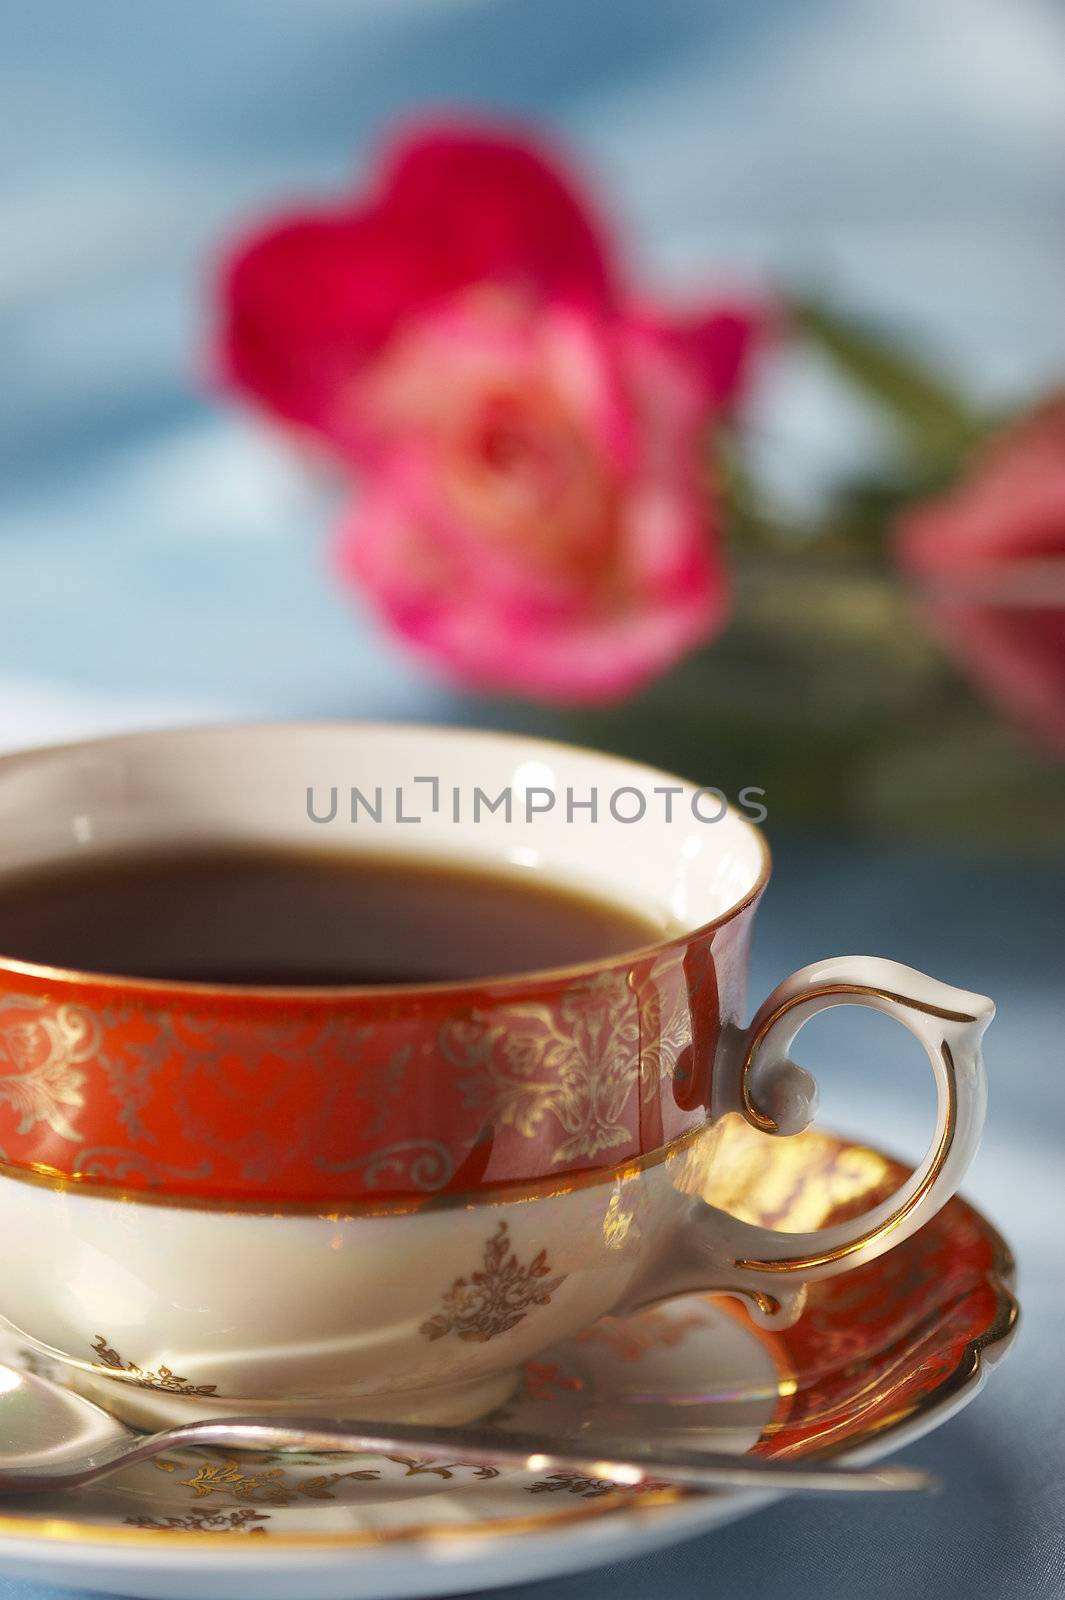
(879, 1357)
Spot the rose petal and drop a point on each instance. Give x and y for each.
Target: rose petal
(1011, 516)
(989, 562)
(309, 299)
(716, 343)
(501, 209)
(582, 656)
(309, 302)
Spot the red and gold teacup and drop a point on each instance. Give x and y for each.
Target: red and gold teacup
(383, 1201)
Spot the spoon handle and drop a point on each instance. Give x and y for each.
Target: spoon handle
(625, 1462)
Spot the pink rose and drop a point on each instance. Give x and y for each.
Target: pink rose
(534, 512)
(990, 561)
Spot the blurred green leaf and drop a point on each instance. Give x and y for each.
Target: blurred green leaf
(825, 691)
(927, 411)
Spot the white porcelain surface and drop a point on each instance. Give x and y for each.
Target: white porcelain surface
(317, 1310)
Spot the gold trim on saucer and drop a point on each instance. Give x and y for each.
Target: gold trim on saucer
(969, 1373)
(94, 1533)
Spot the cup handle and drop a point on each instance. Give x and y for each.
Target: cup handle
(712, 1250)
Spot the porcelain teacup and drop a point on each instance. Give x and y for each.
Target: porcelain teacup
(385, 1201)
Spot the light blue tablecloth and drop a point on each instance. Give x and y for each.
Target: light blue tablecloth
(160, 558)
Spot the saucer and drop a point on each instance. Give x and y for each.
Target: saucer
(879, 1357)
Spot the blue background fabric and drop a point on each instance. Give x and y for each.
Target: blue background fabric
(162, 558)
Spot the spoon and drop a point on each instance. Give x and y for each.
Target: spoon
(51, 1438)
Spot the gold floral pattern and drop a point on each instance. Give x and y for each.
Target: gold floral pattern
(132, 1066)
(576, 1063)
(417, 1465)
(206, 1520)
(321, 1486)
(589, 1488)
(166, 1380)
(496, 1297)
(272, 1485)
(571, 1483)
(665, 998)
(425, 1164)
(43, 1047)
(262, 1488)
(116, 1165)
(286, 1106)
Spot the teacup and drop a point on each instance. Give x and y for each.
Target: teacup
(385, 1201)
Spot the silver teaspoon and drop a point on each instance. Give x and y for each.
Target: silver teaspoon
(51, 1438)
